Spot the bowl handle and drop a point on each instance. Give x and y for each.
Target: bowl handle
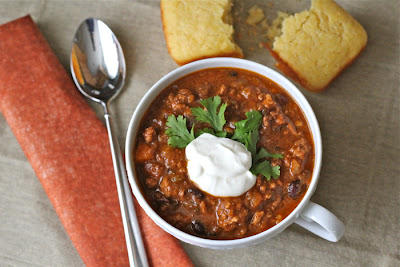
(321, 222)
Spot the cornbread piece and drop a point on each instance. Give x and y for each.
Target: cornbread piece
(275, 29)
(316, 45)
(198, 29)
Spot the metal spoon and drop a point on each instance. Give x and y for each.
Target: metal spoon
(98, 69)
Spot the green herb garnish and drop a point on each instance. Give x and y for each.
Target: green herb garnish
(246, 132)
(244, 127)
(211, 131)
(265, 168)
(179, 135)
(265, 154)
(211, 115)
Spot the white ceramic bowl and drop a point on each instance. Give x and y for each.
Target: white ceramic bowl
(307, 214)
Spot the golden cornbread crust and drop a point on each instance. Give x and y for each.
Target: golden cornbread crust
(288, 71)
(197, 30)
(317, 45)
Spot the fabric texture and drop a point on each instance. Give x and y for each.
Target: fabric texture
(359, 117)
(67, 146)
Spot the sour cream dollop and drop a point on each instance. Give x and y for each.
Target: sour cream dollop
(219, 166)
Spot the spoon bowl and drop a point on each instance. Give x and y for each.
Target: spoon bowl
(97, 61)
(98, 70)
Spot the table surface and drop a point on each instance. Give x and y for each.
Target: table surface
(359, 116)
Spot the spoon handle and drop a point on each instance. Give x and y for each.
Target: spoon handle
(136, 251)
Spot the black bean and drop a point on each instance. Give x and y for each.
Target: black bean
(295, 189)
(249, 217)
(164, 203)
(198, 228)
(196, 192)
(233, 73)
(276, 128)
(160, 197)
(281, 99)
(163, 199)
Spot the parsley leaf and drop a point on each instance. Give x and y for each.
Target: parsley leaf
(221, 134)
(265, 168)
(265, 154)
(247, 133)
(179, 135)
(244, 127)
(211, 115)
(211, 131)
(250, 142)
(205, 130)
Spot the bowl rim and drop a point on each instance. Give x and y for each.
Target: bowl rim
(179, 72)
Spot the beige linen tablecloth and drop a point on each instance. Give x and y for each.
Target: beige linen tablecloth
(359, 116)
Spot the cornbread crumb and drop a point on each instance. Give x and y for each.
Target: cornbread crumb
(256, 15)
(315, 46)
(198, 29)
(275, 29)
(264, 24)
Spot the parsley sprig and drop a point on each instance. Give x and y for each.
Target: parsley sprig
(210, 114)
(211, 131)
(265, 168)
(265, 154)
(246, 132)
(179, 135)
